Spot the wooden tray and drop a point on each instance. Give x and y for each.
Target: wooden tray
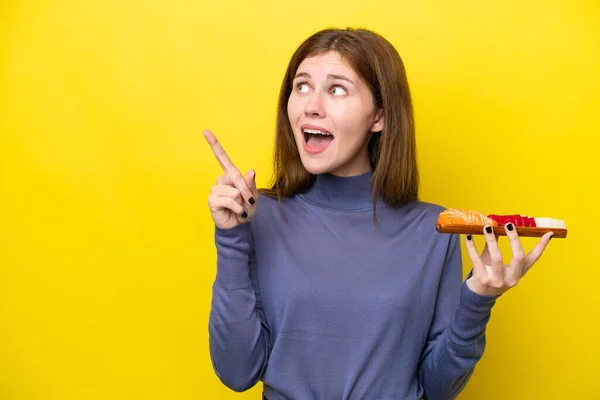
(522, 231)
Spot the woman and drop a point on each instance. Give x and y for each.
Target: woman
(336, 284)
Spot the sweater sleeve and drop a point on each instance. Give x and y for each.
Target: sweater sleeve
(238, 333)
(456, 339)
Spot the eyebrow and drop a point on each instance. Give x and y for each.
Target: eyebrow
(329, 76)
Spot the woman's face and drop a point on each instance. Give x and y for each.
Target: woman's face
(332, 114)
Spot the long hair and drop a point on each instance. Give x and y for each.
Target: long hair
(392, 152)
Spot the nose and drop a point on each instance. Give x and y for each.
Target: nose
(314, 106)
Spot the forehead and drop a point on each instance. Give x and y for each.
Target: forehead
(327, 63)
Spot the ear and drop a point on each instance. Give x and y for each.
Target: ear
(378, 124)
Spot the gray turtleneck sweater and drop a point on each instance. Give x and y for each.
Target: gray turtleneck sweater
(318, 302)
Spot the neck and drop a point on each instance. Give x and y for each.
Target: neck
(349, 193)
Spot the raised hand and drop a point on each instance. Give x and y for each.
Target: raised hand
(491, 277)
(234, 197)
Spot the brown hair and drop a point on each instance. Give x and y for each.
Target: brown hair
(392, 152)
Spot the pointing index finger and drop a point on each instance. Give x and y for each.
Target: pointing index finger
(219, 152)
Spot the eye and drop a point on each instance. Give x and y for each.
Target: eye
(338, 91)
(302, 87)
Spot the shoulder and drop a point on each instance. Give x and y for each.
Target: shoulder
(420, 217)
(270, 210)
(421, 209)
(268, 204)
(428, 217)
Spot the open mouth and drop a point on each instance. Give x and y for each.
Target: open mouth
(316, 139)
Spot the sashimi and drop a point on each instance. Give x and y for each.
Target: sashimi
(464, 217)
(462, 221)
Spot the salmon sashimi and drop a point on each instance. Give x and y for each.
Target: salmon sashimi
(460, 216)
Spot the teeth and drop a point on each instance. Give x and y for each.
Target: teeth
(316, 132)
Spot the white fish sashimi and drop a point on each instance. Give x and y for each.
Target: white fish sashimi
(543, 222)
(550, 223)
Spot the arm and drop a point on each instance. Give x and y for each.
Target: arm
(456, 339)
(239, 338)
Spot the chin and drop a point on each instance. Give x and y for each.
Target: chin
(315, 167)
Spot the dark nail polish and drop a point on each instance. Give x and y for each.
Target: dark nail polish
(488, 229)
(551, 237)
(469, 237)
(254, 173)
(251, 201)
(244, 214)
(509, 226)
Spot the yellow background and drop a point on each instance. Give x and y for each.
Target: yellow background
(106, 247)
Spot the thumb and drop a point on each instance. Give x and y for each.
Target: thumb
(250, 179)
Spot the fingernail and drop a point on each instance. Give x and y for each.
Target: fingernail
(551, 236)
(244, 214)
(254, 173)
(469, 237)
(509, 226)
(251, 201)
(488, 229)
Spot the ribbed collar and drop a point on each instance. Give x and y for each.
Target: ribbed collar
(353, 193)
